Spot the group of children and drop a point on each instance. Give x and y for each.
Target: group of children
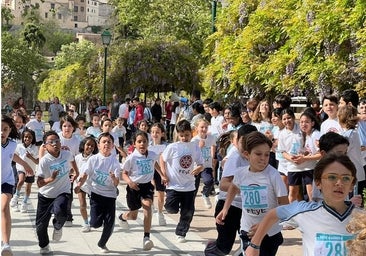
(255, 189)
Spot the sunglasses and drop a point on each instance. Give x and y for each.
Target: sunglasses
(333, 178)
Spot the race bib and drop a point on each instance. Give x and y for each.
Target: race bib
(254, 197)
(331, 245)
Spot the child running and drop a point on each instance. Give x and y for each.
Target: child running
(138, 171)
(207, 144)
(102, 171)
(8, 146)
(87, 148)
(158, 145)
(180, 162)
(261, 189)
(54, 189)
(335, 176)
(28, 151)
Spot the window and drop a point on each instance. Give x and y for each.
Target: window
(75, 25)
(82, 1)
(75, 18)
(81, 9)
(46, 15)
(76, 8)
(52, 6)
(59, 16)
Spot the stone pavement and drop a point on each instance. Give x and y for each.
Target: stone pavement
(128, 242)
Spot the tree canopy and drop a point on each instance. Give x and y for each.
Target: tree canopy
(279, 45)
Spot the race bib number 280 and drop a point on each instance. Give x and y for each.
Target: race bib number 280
(331, 245)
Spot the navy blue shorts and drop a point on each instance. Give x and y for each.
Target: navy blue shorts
(6, 188)
(299, 178)
(134, 197)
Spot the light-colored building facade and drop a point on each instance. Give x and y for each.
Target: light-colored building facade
(78, 15)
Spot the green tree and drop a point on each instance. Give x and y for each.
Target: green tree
(6, 16)
(150, 66)
(33, 36)
(75, 74)
(75, 53)
(56, 37)
(182, 20)
(19, 64)
(279, 45)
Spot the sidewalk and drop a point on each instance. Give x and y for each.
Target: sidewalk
(127, 242)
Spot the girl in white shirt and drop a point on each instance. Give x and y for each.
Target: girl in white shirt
(87, 148)
(28, 151)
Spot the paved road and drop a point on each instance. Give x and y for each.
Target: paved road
(122, 242)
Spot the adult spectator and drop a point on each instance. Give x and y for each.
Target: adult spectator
(54, 111)
(114, 107)
(168, 117)
(123, 110)
(157, 111)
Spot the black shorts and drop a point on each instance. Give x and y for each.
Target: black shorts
(6, 188)
(299, 178)
(157, 180)
(28, 179)
(134, 197)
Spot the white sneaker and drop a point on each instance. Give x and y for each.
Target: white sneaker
(14, 201)
(123, 223)
(68, 223)
(85, 228)
(57, 234)
(104, 249)
(45, 250)
(6, 250)
(206, 201)
(161, 219)
(147, 244)
(24, 208)
(181, 239)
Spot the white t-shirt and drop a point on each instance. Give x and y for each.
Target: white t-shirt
(80, 160)
(123, 110)
(263, 126)
(282, 162)
(233, 163)
(330, 125)
(216, 125)
(323, 229)
(259, 193)
(119, 131)
(354, 151)
(56, 127)
(98, 168)
(180, 158)
(49, 164)
(95, 131)
(72, 143)
(206, 149)
(140, 168)
(21, 151)
(291, 142)
(38, 127)
(7, 154)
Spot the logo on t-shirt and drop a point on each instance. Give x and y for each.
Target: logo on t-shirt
(185, 161)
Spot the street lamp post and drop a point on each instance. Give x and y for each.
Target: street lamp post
(106, 40)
